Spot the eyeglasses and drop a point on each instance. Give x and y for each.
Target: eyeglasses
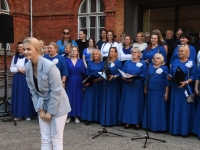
(156, 58)
(134, 52)
(67, 33)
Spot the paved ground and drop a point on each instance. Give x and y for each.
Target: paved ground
(26, 136)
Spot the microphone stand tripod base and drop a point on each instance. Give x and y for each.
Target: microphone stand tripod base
(146, 137)
(105, 131)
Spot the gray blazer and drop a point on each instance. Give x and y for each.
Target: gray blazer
(52, 97)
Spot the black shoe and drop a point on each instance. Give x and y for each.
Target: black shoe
(87, 123)
(127, 126)
(137, 127)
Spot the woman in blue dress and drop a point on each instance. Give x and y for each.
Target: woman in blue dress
(196, 127)
(132, 98)
(21, 102)
(155, 46)
(65, 40)
(74, 87)
(92, 97)
(184, 40)
(157, 92)
(58, 60)
(182, 113)
(110, 102)
(87, 51)
(103, 39)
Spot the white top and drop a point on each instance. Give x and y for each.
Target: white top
(141, 46)
(20, 64)
(198, 59)
(106, 46)
(123, 56)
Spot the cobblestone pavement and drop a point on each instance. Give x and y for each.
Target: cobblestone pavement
(26, 136)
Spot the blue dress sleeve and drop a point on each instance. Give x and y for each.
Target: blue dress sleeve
(163, 52)
(144, 70)
(143, 55)
(174, 55)
(167, 82)
(64, 66)
(61, 47)
(118, 66)
(74, 43)
(124, 67)
(84, 52)
(193, 53)
(193, 71)
(88, 68)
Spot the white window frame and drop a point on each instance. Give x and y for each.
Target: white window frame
(6, 11)
(89, 14)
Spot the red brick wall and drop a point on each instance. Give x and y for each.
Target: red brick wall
(119, 18)
(50, 17)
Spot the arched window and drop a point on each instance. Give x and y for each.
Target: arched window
(4, 9)
(91, 17)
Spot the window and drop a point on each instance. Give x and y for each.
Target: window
(91, 17)
(4, 10)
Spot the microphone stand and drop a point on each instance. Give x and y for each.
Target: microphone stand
(147, 136)
(104, 131)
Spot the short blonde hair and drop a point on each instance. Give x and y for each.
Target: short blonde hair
(54, 45)
(160, 56)
(186, 47)
(138, 50)
(96, 50)
(33, 42)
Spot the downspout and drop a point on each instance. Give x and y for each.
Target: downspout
(31, 19)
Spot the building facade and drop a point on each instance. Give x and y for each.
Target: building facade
(50, 17)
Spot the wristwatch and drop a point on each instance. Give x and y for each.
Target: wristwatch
(186, 82)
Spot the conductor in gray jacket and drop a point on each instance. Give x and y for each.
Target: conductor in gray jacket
(48, 95)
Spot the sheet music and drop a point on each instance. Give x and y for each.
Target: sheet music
(103, 74)
(124, 74)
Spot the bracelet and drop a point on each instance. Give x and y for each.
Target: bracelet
(115, 76)
(186, 82)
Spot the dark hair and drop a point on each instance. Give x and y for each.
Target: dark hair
(185, 35)
(94, 42)
(101, 32)
(84, 31)
(69, 40)
(114, 36)
(16, 48)
(159, 41)
(131, 39)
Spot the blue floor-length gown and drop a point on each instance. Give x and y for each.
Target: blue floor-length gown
(132, 98)
(196, 127)
(157, 106)
(111, 92)
(21, 101)
(182, 113)
(93, 95)
(74, 87)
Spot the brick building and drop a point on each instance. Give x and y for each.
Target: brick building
(50, 17)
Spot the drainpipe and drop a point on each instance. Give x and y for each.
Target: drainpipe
(31, 19)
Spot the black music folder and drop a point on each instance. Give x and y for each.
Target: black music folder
(88, 79)
(178, 77)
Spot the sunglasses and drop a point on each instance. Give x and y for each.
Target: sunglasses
(67, 33)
